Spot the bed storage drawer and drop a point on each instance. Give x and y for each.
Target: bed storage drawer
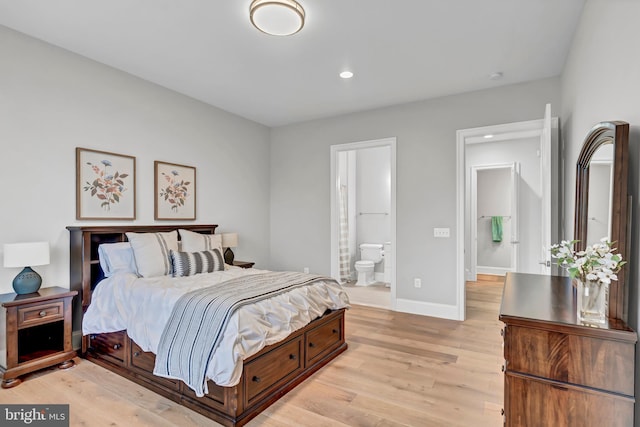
(272, 369)
(143, 362)
(109, 346)
(322, 339)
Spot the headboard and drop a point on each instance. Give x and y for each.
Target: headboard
(84, 266)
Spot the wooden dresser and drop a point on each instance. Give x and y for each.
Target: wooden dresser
(558, 372)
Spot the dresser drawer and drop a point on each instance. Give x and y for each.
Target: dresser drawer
(323, 339)
(40, 313)
(575, 359)
(272, 369)
(111, 346)
(536, 402)
(143, 362)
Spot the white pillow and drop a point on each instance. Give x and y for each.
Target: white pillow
(116, 258)
(192, 263)
(196, 242)
(152, 252)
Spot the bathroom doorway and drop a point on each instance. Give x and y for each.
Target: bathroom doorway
(534, 146)
(363, 216)
(494, 235)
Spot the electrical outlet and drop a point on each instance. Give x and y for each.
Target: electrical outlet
(440, 232)
(306, 270)
(417, 282)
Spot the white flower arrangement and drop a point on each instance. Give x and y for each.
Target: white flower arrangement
(597, 263)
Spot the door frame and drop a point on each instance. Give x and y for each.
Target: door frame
(334, 151)
(479, 135)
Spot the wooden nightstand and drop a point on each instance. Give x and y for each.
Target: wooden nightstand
(35, 332)
(243, 264)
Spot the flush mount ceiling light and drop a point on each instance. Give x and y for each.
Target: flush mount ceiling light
(346, 74)
(277, 17)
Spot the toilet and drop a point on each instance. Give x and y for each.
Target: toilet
(370, 255)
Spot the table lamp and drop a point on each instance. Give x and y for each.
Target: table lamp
(229, 240)
(26, 255)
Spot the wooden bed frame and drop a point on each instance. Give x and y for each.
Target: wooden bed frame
(267, 375)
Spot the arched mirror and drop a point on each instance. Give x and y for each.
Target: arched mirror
(601, 198)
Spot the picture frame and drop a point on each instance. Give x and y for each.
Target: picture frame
(174, 191)
(105, 185)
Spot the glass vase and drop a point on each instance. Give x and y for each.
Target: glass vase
(592, 302)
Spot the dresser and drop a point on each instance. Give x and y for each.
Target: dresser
(557, 371)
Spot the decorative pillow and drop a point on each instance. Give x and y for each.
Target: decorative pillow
(191, 263)
(152, 252)
(116, 258)
(196, 242)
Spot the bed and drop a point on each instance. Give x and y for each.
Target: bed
(264, 377)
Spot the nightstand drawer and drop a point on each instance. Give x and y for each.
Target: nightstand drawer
(39, 314)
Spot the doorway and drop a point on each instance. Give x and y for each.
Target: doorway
(494, 235)
(543, 133)
(363, 210)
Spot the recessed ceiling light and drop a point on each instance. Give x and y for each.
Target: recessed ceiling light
(496, 75)
(488, 136)
(346, 74)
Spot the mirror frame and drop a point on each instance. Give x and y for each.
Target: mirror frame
(616, 133)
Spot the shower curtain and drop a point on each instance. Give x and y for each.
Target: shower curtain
(343, 241)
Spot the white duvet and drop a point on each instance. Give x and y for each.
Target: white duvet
(143, 306)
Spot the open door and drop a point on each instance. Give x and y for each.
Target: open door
(545, 181)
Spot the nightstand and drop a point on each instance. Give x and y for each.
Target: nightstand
(243, 264)
(35, 332)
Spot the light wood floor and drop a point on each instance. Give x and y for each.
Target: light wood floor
(399, 370)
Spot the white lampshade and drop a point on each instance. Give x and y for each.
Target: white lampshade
(229, 240)
(26, 254)
(277, 17)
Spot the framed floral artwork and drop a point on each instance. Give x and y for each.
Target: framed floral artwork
(105, 185)
(175, 191)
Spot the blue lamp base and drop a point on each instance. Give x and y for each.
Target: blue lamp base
(27, 282)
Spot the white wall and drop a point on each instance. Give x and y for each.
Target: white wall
(426, 192)
(599, 206)
(52, 101)
(601, 81)
(494, 190)
(373, 197)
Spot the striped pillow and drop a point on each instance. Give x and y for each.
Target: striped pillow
(151, 252)
(193, 242)
(191, 263)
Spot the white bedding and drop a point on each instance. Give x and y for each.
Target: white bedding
(143, 306)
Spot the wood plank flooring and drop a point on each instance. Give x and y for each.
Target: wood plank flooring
(400, 370)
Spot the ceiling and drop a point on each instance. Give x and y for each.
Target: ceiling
(399, 50)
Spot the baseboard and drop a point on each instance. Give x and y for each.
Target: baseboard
(490, 278)
(443, 311)
(498, 271)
